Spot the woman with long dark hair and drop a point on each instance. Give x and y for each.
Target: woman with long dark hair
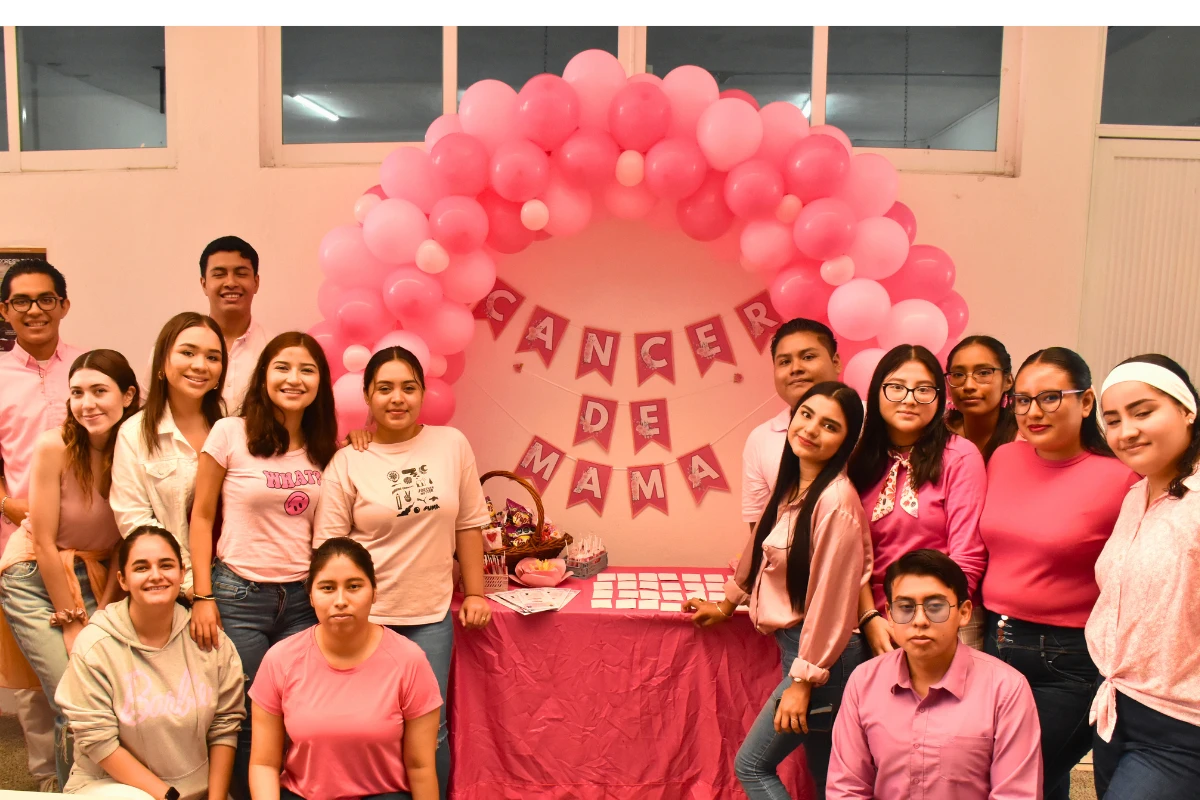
(802, 572)
(980, 377)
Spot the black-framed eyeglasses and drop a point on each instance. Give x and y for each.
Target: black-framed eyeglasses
(936, 610)
(1047, 401)
(21, 303)
(983, 376)
(898, 393)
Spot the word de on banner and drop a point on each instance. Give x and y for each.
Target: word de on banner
(760, 319)
(655, 355)
(596, 420)
(543, 334)
(598, 353)
(702, 472)
(650, 424)
(499, 306)
(590, 485)
(647, 487)
(540, 462)
(709, 343)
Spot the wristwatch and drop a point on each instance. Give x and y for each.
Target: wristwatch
(172, 793)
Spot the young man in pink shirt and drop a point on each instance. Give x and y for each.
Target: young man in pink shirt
(229, 277)
(934, 719)
(33, 398)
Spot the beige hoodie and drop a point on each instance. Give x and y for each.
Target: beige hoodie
(165, 706)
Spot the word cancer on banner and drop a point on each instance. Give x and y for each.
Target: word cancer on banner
(539, 463)
(590, 485)
(499, 306)
(703, 472)
(543, 334)
(709, 342)
(647, 488)
(650, 424)
(598, 353)
(596, 420)
(655, 355)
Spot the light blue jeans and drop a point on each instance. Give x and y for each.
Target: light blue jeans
(764, 749)
(28, 608)
(437, 640)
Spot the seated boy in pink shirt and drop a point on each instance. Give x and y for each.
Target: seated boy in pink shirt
(934, 719)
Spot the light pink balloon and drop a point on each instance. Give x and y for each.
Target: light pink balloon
(675, 168)
(456, 364)
(629, 202)
(879, 248)
(753, 189)
(631, 168)
(364, 204)
(703, 215)
(798, 291)
(520, 170)
(461, 162)
(328, 334)
(728, 132)
(928, 273)
(904, 215)
(446, 123)
(346, 259)
(547, 110)
(458, 223)
(469, 278)
(914, 322)
(858, 309)
(534, 214)
(639, 116)
(488, 111)
(783, 125)
(691, 89)
(957, 315)
(329, 298)
(349, 403)
(407, 291)
(767, 244)
(570, 207)
(432, 257)
(837, 271)
(408, 174)
(437, 366)
(815, 167)
(355, 357)
(363, 318)
(646, 77)
(448, 328)
(741, 94)
(825, 229)
(596, 76)
(394, 230)
(836, 133)
(410, 342)
(788, 209)
(871, 185)
(860, 368)
(587, 157)
(437, 407)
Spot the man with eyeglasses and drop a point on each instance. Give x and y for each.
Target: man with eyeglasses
(934, 720)
(33, 398)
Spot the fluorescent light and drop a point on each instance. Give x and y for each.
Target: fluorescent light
(311, 106)
(807, 109)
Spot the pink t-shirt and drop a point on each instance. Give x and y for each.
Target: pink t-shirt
(1044, 524)
(346, 725)
(405, 503)
(268, 506)
(760, 464)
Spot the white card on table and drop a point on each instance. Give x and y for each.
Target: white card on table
(627, 603)
(626, 594)
(665, 606)
(647, 584)
(668, 576)
(650, 604)
(714, 578)
(687, 576)
(627, 584)
(602, 603)
(647, 576)
(697, 595)
(626, 576)
(694, 587)
(672, 586)
(601, 593)
(676, 596)
(606, 577)
(648, 594)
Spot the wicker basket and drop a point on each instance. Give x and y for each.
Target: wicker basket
(514, 554)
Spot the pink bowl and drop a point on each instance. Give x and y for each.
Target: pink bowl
(526, 574)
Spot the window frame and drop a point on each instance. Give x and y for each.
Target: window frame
(17, 160)
(1187, 133)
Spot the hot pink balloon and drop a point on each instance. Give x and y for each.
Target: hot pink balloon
(836, 133)
(860, 368)
(879, 248)
(639, 116)
(587, 157)
(767, 244)
(408, 174)
(783, 125)
(520, 170)
(753, 189)
(596, 76)
(459, 224)
(798, 291)
(871, 185)
(628, 202)
(346, 259)
(506, 232)
(815, 167)
(456, 364)
(691, 89)
(825, 229)
(928, 273)
(488, 111)
(858, 309)
(547, 110)
(407, 291)
(740, 94)
(461, 161)
(728, 132)
(954, 307)
(393, 231)
(703, 215)
(448, 328)
(675, 168)
(328, 334)
(570, 207)
(445, 124)
(362, 318)
(914, 322)
(437, 407)
(329, 298)
(349, 402)
(410, 342)
(469, 278)
(646, 77)
(378, 191)
(905, 217)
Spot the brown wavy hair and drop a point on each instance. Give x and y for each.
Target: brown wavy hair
(265, 434)
(75, 436)
(212, 406)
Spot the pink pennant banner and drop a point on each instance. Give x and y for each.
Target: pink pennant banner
(590, 485)
(703, 472)
(596, 420)
(650, 424)
(598, 353)
(539, 463)
(655, 356)
(647, 488)
(709, 343)
(760, 319)
(499, 306)
(543, 334)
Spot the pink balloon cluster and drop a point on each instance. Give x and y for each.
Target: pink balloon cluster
(790, 202)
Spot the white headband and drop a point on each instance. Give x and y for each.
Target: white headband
(1160, 378)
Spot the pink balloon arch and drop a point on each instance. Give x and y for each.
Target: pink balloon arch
(789, 202)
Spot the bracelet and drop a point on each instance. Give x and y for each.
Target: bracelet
(867, 617)
(60, 619)
(204, 597)
(475, 595)
(3, 503)
(723, 614)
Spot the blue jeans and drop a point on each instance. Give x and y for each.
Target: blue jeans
(764, 749)
(255, 616)
(437, 640)
(28, 608)
(284, 794)
(1062, 676)
(1151, 755)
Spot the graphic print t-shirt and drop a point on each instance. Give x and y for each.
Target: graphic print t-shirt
(404, 503)
(268, 505)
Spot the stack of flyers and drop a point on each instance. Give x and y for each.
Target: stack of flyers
(531, 601)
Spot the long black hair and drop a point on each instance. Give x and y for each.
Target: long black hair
(1079, 375)
(1186, 464)
(1006, 420)
(870, 460)
(787, 485)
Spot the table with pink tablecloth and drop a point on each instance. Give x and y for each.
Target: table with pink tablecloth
(606, 704)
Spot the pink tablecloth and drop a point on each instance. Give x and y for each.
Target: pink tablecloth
(603, 704)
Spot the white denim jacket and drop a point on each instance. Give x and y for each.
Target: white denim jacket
(154, 489)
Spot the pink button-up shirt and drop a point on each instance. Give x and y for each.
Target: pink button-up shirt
(243, 357)
(32, 400)
(947, 517)
(975, 735)
(1141, 633)
(760, 464)
(840, 564)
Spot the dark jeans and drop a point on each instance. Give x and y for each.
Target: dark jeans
(284, 794)
(1151, 755)
(437, 641)
(256, 616)
(763, 750)
(1056, 663)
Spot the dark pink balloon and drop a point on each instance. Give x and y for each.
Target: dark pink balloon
(456, 364)
(928, 273)
(907, 219)
(437, 407)
(458, 223)
(675, 168)
(740, 94)
(328, 334)
(639, 116)
(547, 110)
(704, 215)
(588, 158)
(798, 291)
(506, 232)
(815, 167)
(461, 161)
(378, 191)
(957, 315)
(825, 228)
(754, 189)
(520, 170)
